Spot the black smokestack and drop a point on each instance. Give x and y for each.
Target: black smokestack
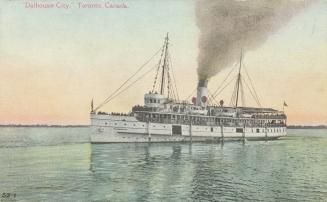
(202, 93)
(203, 83)
(227, 26)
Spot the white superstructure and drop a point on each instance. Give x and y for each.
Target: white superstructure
(163, 119)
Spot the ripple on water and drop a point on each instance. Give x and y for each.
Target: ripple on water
(64, 168)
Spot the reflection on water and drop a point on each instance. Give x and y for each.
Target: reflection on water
(254, 171)
(138, 172)
(290, 169)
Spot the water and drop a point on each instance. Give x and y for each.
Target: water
(58, 164)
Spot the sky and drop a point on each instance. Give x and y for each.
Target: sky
(53, 61)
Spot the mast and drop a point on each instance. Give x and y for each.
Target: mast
(239, 78)
(92, 107)
(162, 88)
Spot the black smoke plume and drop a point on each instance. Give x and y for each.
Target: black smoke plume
(227, 26)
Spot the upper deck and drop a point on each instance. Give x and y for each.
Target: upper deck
(184, 113)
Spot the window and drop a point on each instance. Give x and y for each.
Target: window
(211, 129)
(258, 131)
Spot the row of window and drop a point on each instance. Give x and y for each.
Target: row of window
(145, 138)
(153, 101)
(125, 124)
(240, 130)
(217, 120)
(257, 130)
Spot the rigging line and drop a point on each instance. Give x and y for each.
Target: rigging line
(170, 90)
(159, 65)
(235, 91)
(172, 71)
(225, 86)
(253, 95)
(257, 101)
(214, 100)
(172, 78)
(188, 97)
(242, 93)
(173, 91)
(108, 98)
(170, 84)
(251, 83)
(209, 98)
(147, 72)
(233, 98)
(138, 70)
(233, 68)
(173, 94)
(171, 87)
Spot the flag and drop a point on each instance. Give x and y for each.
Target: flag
(285, 105)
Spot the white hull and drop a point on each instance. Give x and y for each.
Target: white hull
(120, 129)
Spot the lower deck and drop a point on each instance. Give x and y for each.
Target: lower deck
(128, 129)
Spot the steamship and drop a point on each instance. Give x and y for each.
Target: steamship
(164, 118)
